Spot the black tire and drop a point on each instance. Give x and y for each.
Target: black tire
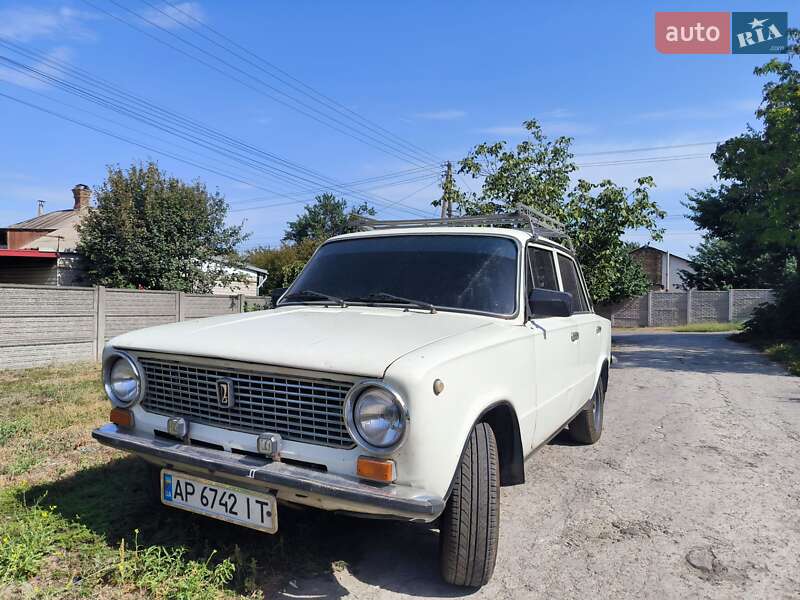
(471, 520)
(587, 426)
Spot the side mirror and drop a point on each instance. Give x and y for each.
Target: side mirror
(276, 294)
(550, 303)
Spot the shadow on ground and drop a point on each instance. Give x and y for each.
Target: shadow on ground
(113, 500)
(691, 352)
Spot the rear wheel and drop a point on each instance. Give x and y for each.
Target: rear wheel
(587, 426)
(471, 520)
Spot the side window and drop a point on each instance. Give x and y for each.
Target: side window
(572, 283)
(543, 268)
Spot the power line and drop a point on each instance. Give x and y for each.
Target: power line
(315, 95)
(131, 107)
(631, 150)
(143, 145)
(339, 126)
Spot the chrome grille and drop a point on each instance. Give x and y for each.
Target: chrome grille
(305, 410)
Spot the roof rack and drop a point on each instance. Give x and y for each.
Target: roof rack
(522, 217)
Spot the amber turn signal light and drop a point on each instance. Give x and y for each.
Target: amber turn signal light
(375, 469)
(122, 417)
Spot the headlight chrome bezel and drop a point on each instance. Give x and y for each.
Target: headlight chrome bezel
(352, 427)
(109, 360)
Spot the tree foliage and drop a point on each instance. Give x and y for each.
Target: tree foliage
(537, 172)
(754, 209)
(754, 206)
(326, 217)
(720, 265)
(283, 264)
(157, 232)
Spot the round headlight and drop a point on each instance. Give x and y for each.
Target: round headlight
(122, 381)
(380, 418)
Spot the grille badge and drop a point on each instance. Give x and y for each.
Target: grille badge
(225, 397)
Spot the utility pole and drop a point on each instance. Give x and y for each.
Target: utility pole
(448, 191)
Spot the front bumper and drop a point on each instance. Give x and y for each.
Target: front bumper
(295, 484)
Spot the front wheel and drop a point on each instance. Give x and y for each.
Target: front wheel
(587, 426)
(471, 520)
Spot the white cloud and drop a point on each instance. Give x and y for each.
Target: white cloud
(442, 115)
(172, 16)
(25, 23)
(23, 79)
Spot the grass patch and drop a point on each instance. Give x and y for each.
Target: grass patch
(77, 521)
(786, 353)
(707, 327)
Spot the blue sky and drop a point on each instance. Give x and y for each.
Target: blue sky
(443, 76)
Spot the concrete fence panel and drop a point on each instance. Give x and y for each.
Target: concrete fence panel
(197, 306)
(127, 310)
(45, 325)
(745, 301)
(42, 325)
(709, 307)
(668, 309)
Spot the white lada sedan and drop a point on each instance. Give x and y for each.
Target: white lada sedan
(407, 373)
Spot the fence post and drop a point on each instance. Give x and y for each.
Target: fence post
(241, 303)
(100, 315)
(730, 305)
(649, 309)
(689, 306)
(181, 316)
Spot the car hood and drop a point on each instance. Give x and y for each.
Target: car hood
(355, 340)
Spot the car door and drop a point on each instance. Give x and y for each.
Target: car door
(585, 323)
(555, 351)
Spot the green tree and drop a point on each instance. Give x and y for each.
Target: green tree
(326, 217)
(154, 231)
(755, 204)
(537, 172)
(283, 264)
(720, 265)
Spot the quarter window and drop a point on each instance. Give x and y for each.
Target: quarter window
(543, 268)
(572, 284)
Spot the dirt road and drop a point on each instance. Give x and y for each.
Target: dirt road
(693, 491)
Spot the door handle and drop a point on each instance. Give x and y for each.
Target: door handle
(598, 329)
(574, 336)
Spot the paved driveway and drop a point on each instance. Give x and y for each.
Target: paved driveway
(693, 491)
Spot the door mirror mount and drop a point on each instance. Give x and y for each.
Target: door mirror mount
(276, 294)
(549, 303)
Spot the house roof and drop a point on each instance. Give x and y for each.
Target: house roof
(659, 250)
(48, 221)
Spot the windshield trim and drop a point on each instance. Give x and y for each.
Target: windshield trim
(507, 316)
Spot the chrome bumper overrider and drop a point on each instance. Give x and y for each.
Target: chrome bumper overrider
(292, 483)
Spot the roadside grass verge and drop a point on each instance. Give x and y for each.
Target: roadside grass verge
(77, 519)
(786, 353)
(707, 327)
(711, 327)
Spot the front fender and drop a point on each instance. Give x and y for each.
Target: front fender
(478, 374)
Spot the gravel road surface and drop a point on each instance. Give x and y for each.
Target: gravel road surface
(693, 491)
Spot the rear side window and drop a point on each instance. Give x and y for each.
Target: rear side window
(543, 269)
(572, 284)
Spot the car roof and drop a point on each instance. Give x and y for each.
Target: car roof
(519, 234)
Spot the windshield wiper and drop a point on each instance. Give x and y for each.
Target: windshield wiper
(311, 294)
(391, 297)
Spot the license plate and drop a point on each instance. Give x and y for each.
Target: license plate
(224, 502)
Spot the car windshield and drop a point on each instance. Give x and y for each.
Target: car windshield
(475, 273)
